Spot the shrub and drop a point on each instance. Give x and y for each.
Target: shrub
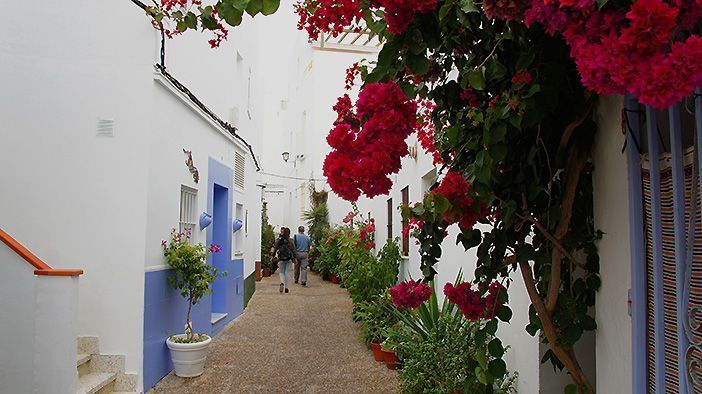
(452, 358)
(376, 318)
(192, 276)
(373, 276)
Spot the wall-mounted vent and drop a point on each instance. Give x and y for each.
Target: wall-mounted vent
(105, 128)
(239, 170)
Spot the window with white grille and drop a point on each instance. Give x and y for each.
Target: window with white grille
(188, 212)
(239, 170)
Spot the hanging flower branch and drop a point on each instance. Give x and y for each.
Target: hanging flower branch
(175, 17)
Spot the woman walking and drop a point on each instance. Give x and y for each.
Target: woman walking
(286, 254)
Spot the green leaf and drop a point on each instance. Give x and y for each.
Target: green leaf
(270, 7)
(233, 16)
(504, 313)
(497, 368)
(602, 3)
(444, 10)
(468, 6)
(238, 4)
(254, 7)
(495, 348)
(476, 79)
(418, 63)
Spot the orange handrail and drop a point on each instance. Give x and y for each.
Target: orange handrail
(41, 267)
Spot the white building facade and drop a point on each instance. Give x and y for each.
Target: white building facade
(94, 143)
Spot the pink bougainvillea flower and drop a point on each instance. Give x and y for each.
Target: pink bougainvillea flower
(410, 294)
(471, 304)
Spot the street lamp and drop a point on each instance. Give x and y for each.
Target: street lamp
(286, 156)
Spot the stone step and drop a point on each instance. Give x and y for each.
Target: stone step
(82, 359)
(91, 383)
(88, 345)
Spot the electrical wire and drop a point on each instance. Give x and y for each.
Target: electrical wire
(291, 177)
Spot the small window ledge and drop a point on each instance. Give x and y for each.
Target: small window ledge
(216, 317)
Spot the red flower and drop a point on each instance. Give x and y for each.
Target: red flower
(471, 304)
(522, 77)
(457, 190)
(327, 16)
(364, 155)
(410, 295)
(400, 13)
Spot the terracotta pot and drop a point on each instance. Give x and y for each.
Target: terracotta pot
(390, 358)
(259, 275)
(266, 272)
(335, 279)
(377, 352)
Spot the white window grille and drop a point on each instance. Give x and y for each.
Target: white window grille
(188, 212)
(239, 170)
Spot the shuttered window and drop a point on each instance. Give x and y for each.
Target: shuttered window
(239, 170)
(405, 223)
(389, 218)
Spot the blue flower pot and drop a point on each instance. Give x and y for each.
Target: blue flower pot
(205, 220)
(237, 225)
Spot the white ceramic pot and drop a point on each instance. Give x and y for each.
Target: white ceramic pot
(188, 358)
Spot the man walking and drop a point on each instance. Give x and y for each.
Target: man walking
(302, 245)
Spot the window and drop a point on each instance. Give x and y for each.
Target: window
(239, 170)
(188, 212)
(405, 223)
(666, 274)
(239, 235)
(389, 218)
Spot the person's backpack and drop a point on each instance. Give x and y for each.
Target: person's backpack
(284, 252)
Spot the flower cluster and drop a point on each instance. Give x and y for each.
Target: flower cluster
(410, 294)
(471, 304)
(333, 16)
(504, 9)
(522, 77)
(457, 190)
(470, 97)
(351, 75)
(426, 131)
(399, 13)
(365, 154)
(646, 49)
(327, 16)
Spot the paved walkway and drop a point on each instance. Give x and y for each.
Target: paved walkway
(300, 342)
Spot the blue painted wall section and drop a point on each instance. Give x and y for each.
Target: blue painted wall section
(164, 315)
(165, 309)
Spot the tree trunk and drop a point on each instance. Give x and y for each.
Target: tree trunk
(188, 324)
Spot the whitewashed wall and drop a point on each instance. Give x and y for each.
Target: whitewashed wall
(81, 201)
(78, 200)
(614, 373)
(37, 329)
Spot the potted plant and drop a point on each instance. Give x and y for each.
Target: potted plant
(192, 277)
(376, 317)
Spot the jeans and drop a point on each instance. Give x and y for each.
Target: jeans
(283, 268)
(302, 258)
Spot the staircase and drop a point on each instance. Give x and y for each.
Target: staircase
(101, 373)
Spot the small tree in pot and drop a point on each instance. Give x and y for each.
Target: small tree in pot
(192, 277)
